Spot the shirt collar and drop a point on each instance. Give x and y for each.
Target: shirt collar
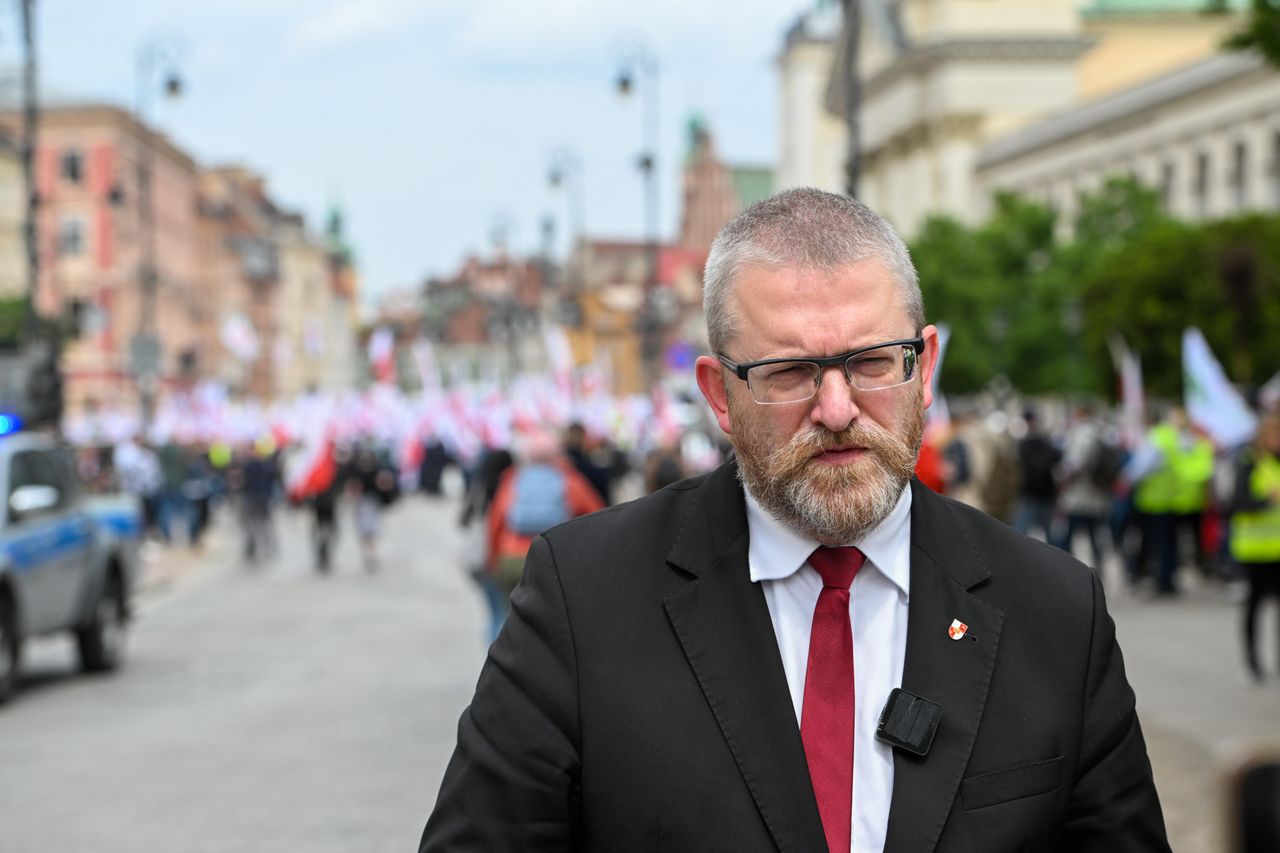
(776, 551)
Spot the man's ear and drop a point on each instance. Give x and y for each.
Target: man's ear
(929, 361)
(708, 371)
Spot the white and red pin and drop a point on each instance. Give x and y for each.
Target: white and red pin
(957, 629)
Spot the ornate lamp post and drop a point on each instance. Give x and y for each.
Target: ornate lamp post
(565, 173)
(638, 61)
(156, 62)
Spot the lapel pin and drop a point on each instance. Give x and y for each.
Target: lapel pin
(957, 629)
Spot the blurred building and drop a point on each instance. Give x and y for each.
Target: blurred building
(1206, 135)
(609, 308)
(945, 82)
(486, 319)
(317, 311)
(714, 191)
(91, 232)
(13, 211)
(811, 139)
(1137, 40)
(278, 303)
(242, 284)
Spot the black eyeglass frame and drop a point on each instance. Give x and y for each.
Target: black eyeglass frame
(741, 370)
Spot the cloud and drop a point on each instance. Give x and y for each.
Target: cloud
(550, 31)
(346, 22)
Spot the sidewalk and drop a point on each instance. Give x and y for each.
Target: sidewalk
(1183, 657)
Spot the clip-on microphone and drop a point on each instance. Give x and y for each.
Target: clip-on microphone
(909, 722)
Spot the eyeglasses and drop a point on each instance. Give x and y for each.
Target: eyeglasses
(794, 380)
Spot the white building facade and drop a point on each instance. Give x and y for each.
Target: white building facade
(1207, 136)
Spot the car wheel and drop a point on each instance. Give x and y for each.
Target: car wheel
(101, 639)
(10, 649)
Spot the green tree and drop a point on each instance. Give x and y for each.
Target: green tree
(1261, 30)
(1002, 290)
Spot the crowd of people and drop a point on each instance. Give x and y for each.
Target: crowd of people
(1168, 503)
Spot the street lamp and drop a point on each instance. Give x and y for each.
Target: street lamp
(565, 173)
(639, 61)
(157, 61)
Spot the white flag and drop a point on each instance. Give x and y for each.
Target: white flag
(239, 337)
(1133, 416)
(424, 357)
(1211, 401)
(1269, 393)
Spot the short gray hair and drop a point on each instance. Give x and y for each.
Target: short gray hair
(802, 229)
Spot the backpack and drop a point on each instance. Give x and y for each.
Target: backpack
(956, 453)
(1105, 464)
(540, 500)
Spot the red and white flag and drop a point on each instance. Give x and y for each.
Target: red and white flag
(382, 350)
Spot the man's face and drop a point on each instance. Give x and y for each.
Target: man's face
(832, 467)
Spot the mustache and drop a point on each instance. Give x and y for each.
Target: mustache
(818, 439)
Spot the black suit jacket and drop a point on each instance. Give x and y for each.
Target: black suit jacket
(636, 700)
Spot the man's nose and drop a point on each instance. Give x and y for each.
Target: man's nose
(833, 405)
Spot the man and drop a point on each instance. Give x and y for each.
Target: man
(1038, 459)
(693, 672)
(1255, 529)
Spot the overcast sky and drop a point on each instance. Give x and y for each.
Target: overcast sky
(430, 120)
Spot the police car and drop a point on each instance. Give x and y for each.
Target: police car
(67, 560)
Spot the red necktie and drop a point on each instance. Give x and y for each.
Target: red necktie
(826, 720)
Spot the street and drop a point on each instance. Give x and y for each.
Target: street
(273, 709)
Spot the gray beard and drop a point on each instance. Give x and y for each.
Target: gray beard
(832, 505)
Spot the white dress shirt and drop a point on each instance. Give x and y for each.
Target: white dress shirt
(878, 613)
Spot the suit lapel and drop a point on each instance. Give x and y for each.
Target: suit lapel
(953, 673)
(722, 622)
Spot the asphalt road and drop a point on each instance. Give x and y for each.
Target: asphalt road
(272, 709)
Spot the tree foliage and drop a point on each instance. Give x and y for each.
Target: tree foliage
(1040, 310)
(1261, 29)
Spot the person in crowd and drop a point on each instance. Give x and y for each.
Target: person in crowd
(140, 475)
(324, 511)
(374, 487)
(663, 465)
(197, 491)
(1190, 503)
(578, 452)
(1090, 466)
(1167, 469)
(678, 672)
(1255, 529)
(173, 501)
(253, 481)
(1038, 459)
(435, 460)
(541, 490)
(474, 522)
(931, 466)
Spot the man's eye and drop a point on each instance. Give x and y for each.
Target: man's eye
(873, 366)
(784, 371)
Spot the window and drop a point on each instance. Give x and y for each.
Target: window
(1168, 174)
(1275, 168)
(71, 166)
(1201, 189)
(71, 237)
(1239, 170)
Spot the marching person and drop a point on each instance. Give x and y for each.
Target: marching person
(1255, 529)
(704, 668)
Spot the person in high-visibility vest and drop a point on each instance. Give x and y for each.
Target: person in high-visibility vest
(1255, 528)
(1192, 469)
(1170, 471)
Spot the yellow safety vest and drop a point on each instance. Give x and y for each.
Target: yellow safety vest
(1255, 536)
(1193, 469)
(1155, 492)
